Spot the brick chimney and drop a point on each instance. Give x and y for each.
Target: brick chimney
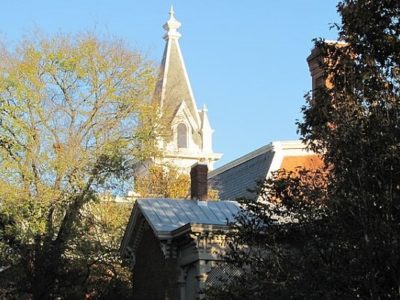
(198, 184)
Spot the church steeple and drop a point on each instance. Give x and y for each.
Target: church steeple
(190, 128)
(174, 86)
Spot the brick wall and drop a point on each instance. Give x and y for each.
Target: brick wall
(154, 277)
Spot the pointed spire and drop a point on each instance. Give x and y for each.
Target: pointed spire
(206, 131)
(174, 87)
(171, 26)
(205, 123)
(177, 104)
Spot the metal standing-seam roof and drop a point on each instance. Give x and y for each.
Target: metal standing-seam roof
(166, 215)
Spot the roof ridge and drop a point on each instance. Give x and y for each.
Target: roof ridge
(273, 146)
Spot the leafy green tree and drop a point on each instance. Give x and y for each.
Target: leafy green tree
(72, 125)
(346, 247)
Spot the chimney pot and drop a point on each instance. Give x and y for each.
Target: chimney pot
(198, 182)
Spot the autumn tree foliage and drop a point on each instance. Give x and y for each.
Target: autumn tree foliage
(96, 270)
(71, 129)
(166, 181)
(163, 181)
(346, 246)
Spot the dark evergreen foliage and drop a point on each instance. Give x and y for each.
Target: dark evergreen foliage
(341, 239)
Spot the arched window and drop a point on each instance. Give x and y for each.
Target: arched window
(182, 135)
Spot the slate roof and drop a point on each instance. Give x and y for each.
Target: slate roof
(166, 215)
(235, 178)
(173, 85)
(234, 182)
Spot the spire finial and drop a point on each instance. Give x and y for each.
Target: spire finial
(172, 25)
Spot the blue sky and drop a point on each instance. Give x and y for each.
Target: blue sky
(246, 60)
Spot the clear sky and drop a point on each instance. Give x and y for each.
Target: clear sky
(246, 59)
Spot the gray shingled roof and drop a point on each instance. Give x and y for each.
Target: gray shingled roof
(166, 215)
(235, 182)
(173, 82)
